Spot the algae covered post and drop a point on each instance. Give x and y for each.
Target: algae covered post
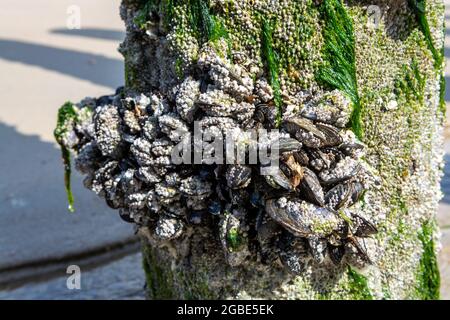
(351, 113)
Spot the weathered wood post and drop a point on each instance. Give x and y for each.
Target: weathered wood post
(374, 67)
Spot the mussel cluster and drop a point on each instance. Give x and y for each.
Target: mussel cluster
(123, 144)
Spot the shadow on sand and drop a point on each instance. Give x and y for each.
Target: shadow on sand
(95, 68)
(105, 34)
(34, 222)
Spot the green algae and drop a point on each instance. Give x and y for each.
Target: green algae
(127, 74)
(323, 296)
(142, 17)
(409, 88)
(163, 282)
(159, 278)
(358, 285)
(428, 275)
(208, 28)
(168, 11)
(411, 83)
(165, 7)
(271, 59)
(419, 8)
(442, 104)
(386, 292)
(339, 71)
(233, 238)
(179, 68)
(197, 286)
(66, 116)
(201, 19)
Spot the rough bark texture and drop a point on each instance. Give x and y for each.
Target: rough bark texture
(398, 112)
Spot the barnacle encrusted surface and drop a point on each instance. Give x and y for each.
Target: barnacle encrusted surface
(350, 213)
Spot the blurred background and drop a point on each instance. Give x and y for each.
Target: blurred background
(42, 65)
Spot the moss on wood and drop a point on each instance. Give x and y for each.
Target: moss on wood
(428, 274)
(359, 288)
(159, 278)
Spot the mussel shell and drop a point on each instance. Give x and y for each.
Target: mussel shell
(279, 180)
(318, 160)
(215, 208)
(168, 228)
(197, 217)
(301, 157)
(114, 205)
(125, 216)
(360, 248)
(256, 199)
(350, 149)
(338, 196)
(364, 228)
(259, 115)
(293, 253)
(318, 248)
(239, 197)
(292, 170)
(297, 125)
(238, 176)
(311, 188)
(302, 221)
(332, 137)
(176, 211)
(357, 191)
(327, 135)
(103, 100)
(288, 144)
(336, 253)
(339, 179)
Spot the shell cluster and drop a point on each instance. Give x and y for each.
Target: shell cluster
(302, 212)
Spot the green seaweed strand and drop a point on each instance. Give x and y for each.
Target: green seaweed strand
(201, 19)
(65, 114)
(207, 26)
(166, 7)
(339, 72)
(419, 8)
(429, 277)
(271, 59)
(143, 14)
